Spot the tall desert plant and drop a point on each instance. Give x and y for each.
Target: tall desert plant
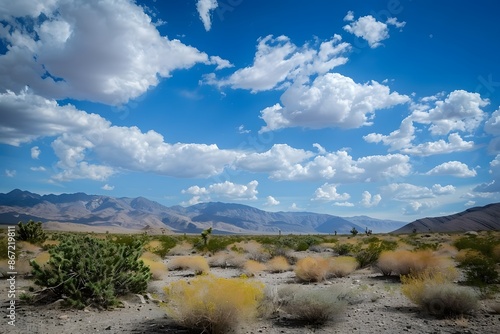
(31, 232)
(90, 271)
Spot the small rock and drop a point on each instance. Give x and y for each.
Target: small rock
(63, 317)
(107, 328)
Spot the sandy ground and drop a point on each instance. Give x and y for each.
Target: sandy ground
(380, 308)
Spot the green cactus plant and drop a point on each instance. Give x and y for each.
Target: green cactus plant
(31, 232)
(91, 271)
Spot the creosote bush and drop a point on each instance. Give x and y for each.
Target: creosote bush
(213, 305)
(90, 271)
(479, 269)
(437, 295)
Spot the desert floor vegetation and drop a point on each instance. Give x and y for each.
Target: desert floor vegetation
(295, 283)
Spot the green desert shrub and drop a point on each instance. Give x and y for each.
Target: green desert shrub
(311, 306)
(31, 232)
(90, 271)
(344, 249)
(369, 255)
(479, 269)
(483, 244)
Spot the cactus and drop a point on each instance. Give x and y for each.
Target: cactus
(90, 271)
(31, 232)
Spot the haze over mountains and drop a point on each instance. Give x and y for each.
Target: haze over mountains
(97, 212)
(139, 213)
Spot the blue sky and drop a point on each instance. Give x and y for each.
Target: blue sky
(384, 108)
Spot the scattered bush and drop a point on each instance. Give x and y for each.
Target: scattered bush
(154, 263)
(342, 266)
(312, 269)
(252, 267)
(183, 248)
(277, 264)
(437, 295)
(31, 232)
(479, 269)
(161, 245)
(344, 249)
(196, 263)
(90, 271)
(213, 305)
(403, 262)
(226, 259)
(312, 306)
(485, 245)
(369, 255)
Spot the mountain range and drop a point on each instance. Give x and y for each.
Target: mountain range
(100, 213)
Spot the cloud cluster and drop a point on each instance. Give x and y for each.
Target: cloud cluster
(331, 100)
(460, 112)
(278, 62)
(104, 51)
(225, 190)
(369, 29)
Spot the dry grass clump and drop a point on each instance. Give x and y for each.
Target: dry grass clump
(404, 262)
(49, 243)
(312, 306)
(213, 305)
(252, 267)
(28, 247)
(156, 266)
(278, 264)
(184, 248)
(342, 266)
(252, 249)
(153, 245)
(196, 263)
(224, 259)
(42, 258)
(312, 269)
(446, 250)
(437, 295)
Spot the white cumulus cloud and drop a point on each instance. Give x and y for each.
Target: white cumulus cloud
(103, 51)
(35, 152)
(107, 187)
(227, 190)
(331, 100)
(278, 62)
(369, 29)
(367, 200)
(454, 168)
(271, 201)
(204, 8)
(328, 192)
